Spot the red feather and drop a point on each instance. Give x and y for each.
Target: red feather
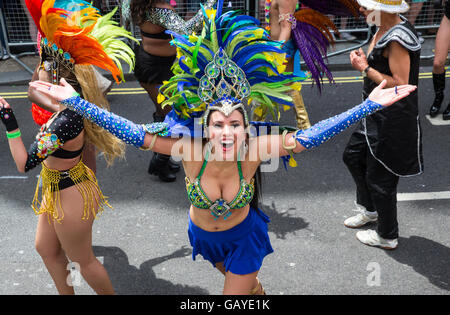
(40, 115)
(34, 7)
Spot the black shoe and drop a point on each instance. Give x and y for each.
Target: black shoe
(174, 166)
(446, 113)
(439, 86)
(158, 118)
(159, 166)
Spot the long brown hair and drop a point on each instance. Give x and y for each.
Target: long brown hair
(139, 8)
(100, 138)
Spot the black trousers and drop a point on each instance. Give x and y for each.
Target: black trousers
(376, 187)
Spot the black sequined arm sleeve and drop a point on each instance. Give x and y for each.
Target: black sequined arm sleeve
(173, 22)
(66, 126)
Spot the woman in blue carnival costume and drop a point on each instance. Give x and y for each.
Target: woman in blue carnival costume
(68, 197)
(231, 65)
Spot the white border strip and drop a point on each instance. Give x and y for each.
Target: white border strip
(437, 121)
(423, 196)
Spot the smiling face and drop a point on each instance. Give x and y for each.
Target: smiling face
(227, 134)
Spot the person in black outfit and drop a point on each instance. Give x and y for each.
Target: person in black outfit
(442, 47)
(155, 57)
(386, 145)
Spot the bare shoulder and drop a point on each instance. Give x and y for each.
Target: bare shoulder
(396, 48)
(192, 168)
(274, 4)
(250, 164)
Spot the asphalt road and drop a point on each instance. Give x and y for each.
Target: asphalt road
(143, 242)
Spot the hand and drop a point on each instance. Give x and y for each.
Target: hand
(56, 93)
(387, 97)
(3, 103)
(358, 60)
(7, 116)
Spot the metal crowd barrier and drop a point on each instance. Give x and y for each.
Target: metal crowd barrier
(20, 32)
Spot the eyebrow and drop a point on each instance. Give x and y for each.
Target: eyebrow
(231, 122)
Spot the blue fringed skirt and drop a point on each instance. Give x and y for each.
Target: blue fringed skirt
(241, 248)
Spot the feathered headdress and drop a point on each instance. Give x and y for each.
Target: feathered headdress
(232, 63)
(74, 33)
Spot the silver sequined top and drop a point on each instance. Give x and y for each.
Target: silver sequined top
(171, 21)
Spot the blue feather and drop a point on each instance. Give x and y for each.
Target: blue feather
(184, 67)
(71, 5)
(219, 8)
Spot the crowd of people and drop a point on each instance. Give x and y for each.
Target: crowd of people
(203, 74)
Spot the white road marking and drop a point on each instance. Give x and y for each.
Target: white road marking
(13, 177)
(423, 196)
(437, 121)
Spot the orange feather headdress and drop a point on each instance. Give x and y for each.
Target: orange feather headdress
(74, 33)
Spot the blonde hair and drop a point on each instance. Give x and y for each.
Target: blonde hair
(100, 138)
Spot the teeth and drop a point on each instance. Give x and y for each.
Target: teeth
(227, 143)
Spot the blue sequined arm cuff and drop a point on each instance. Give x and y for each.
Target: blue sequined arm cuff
(328, 128)
(122, 128)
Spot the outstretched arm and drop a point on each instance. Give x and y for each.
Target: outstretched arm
(324, 130)
(286, 18)
(140, 136)
(48, 140)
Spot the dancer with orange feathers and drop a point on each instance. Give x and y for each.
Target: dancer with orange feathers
(68, 197)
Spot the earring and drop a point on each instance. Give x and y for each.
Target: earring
(208, 151)
(243, 150)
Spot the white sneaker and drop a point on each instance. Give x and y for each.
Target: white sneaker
(361, 219)
(371, 238)
(5, 55)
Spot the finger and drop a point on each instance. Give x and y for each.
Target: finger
(4, 103)
(382, 84)
(408, 88)
(40, 82)
(45, 91)
(63, 82)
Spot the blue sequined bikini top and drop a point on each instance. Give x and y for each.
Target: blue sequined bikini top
(220, 207)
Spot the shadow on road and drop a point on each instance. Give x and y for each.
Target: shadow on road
(427, 257)
(281, 223)
(130, 280)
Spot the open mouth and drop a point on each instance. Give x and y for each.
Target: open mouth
(227, 145)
